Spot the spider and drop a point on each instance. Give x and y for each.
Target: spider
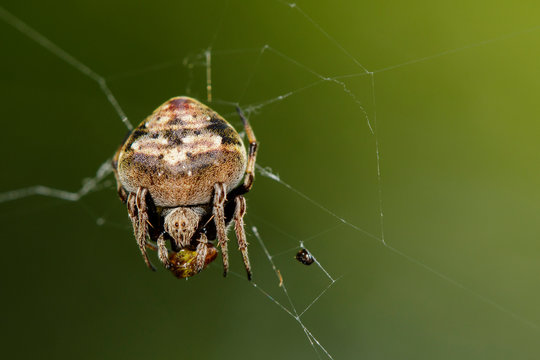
(180, 173)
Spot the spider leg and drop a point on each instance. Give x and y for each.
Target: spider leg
(138, 212)
(163, 253)
(252, 155)
(239, 213)
(133, 212)
(220, 195)
(151, 246)
(202, 251)
(122, 194)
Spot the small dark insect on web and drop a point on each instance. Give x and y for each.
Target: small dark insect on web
(101, 179)
(304, 257)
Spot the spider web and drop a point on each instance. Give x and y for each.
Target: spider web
(358, 88)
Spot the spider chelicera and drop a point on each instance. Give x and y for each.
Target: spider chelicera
(183, 173)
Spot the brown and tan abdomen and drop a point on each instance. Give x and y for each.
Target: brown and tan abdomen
(179, 153)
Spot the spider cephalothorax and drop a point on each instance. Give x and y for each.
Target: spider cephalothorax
(180, 173)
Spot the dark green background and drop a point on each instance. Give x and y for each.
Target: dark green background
(459, 147)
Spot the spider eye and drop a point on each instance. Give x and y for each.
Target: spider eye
(176, 224)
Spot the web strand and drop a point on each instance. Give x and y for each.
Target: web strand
(89, 185)
(293, 312)
(321, 30)
(206, 60)
(208, 57)
(265, 172)
(378, 157)
(68, 58)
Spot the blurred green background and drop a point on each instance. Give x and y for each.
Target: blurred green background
(459, 146)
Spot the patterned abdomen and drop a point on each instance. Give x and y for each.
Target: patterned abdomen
(179, 152)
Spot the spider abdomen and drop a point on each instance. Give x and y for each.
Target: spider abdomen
(180, 152)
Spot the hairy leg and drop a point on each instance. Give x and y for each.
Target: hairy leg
(163, 253)
(202, 251)
(220, 196)
(138, 213)
(239, 213)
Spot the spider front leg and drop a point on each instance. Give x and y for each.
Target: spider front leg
(220, 196)
(252, 156)
(202, 251)
(138, 212)
(239, 213)
(163, 253)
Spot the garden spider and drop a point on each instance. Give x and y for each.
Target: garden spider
(180, 173)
